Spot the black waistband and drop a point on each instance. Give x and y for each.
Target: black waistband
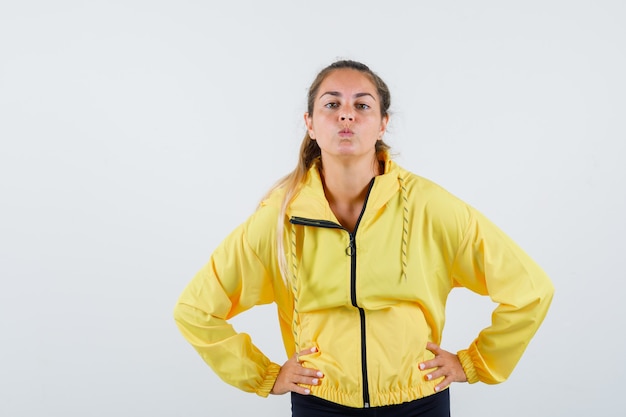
(436, 405)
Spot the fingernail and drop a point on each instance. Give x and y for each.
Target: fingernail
(437, 389)
(422, 366)
(314, 381)
(313, 349)
(429, 377)
(320, 374)
(307, 391)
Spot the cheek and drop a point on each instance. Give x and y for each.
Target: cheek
(321, 123)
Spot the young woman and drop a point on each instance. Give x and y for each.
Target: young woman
(359, 256)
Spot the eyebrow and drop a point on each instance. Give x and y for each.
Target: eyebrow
(338, 94)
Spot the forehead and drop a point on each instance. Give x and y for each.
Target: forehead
(347, 81)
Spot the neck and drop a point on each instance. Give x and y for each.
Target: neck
(347, 183)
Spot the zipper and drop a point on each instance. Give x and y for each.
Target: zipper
(351, 252)
(326, 224)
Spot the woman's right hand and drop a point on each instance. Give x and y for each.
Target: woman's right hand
(293, 373)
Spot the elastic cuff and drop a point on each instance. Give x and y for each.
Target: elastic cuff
(268, 380)
(468, 366)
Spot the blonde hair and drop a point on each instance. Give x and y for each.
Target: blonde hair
(310, 152)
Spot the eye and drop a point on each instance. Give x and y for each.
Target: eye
(331, 105)
(362, 106)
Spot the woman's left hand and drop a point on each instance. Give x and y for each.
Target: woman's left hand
(445, 364)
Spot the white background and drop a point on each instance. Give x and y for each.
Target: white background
(136, 134)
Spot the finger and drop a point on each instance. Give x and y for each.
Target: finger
(306, 380)
(433, 363)
(438, 373)
(443, 384)
(305, 352)
(310, 373)
(302, 376)
(300, 390)
(448, 372)
(433, 347)
(294, 382)
(301, 383)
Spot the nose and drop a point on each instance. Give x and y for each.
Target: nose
(347, 116)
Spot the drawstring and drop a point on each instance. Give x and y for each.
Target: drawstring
(405, 225)
(295, 325)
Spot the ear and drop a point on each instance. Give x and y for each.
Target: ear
(308, 121)
(383, 126)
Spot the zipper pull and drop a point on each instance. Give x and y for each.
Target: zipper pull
(350, 250)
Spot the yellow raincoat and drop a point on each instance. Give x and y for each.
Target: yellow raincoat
(368, 300)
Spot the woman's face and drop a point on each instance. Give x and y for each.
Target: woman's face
(346, 120)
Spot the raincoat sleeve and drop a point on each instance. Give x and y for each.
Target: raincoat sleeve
(234, 280)
(489, 263)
